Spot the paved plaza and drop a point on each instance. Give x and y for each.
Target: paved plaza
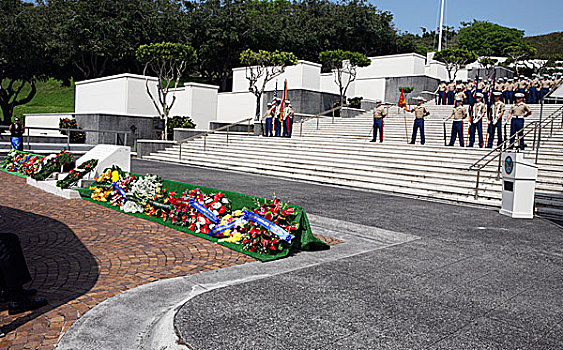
(407, 274)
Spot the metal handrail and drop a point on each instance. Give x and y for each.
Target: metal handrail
(317, 116)
(205, 134)
(510, 142)
(69, 131)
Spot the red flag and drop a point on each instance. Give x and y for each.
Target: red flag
(284, 96)
(402, 100)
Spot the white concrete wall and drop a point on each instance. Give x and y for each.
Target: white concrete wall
(198, 101)
(117, 94)
(393, 66)
(235, 106)
(436, 70)
(370, 89)
(47, 120)
(304, 75)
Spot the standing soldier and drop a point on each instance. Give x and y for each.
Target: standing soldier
(544, 87)
(509, 91)
(522, 85)
(476, 123)
(267, 121)
(442, 88)
(277, 118)
(481, 85)
(469, 92)
(459, 93)
(495, 124)
(420, 112)
(451, 92)
(516, 118)
(290, 116)
(379, 112)
(458, 113)
(533, 91)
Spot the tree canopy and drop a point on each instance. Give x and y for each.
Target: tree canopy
(455, 59)
(488, 39)
(344, 64)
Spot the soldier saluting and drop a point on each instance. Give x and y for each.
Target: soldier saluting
(379, 112)
(458, 113)
(495, 124)
(479, 111)
(420, 111)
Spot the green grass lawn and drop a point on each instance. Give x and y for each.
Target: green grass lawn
(51, 97)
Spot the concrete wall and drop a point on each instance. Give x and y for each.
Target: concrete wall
(146, 147)
(198, 101)
(372, 89)
(235, 106)
(47, 120)
(420, 83)
(118, 94)
(304, 75)
(115, 122)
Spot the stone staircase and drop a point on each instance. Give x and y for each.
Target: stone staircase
(340, 154)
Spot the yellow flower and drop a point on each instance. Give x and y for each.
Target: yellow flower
(115, 176)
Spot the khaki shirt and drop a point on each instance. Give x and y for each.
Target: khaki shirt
(460, 94)
(470, 86)
(497, 110)
(289, 113)
(459, 113)
(379, 112)
(451, 87)
(535, 82)
(522, 84)
(268, 114)
(478, 110)
(520, 110)
(545, 84)
(481, 85)
(509, 87)
(499, 87)
(420, 112)
(442, 87)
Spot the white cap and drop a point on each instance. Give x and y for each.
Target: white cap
(519, 95)
(479, 95)
(419, 98)
(496, 93)
(459, 99)
(378, 101)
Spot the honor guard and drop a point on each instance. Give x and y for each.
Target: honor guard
(522, 85)
(509, 91)
(545, 84)
(420, 112)
(451, 92)
(278, 118)
(288, 119)
(460, 93)
(476, 121)
(481, 85)
(516, 118)
(267, 120)
(458, 113)
(379, 112)
(533, 90)
(442, 89)
(495, 123)
(469, 92)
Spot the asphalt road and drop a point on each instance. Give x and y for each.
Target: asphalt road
(475, 279)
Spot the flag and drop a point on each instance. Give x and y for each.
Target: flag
(402, 100)
(284, 97)
(275, 95)
(491, 89)
(474, 90)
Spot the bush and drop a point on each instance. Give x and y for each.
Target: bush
(355, 102)
(406, 89)
(75, 136)
(179, 122)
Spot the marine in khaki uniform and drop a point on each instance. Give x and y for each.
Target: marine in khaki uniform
(476, 121)
(442, 90)
(460, 93)
(458, 114)
(379, 112)
(545, 85)
(451, 92)
(533, 89)
(509, 91)
(420, 111)
(495, 123)
(267, 121)
(516, 118)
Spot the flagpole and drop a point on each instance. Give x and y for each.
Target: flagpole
(441, 26)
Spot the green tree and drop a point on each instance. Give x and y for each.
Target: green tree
(344, 65)
(488, 63)
(168, 61)
(261, 67)
(518, 53)
(488, 39)
(22, 54)
(454, 59)
(94, 38)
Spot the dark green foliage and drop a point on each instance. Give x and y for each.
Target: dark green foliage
(75, 136)
(455, 59)
(355, 102)
(547, 45)
(488, 39)
(406, 89)
(179, 122)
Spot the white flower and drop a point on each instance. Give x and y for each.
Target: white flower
(132, 207)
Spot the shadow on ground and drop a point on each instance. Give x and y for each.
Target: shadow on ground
(62, 268)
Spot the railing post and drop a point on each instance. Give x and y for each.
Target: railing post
(551, 132)
(539, 131)
(180, 153)
(317, 122)
(28, 142)
(333, 116)
(499, 164)
(116, 138)
(248, 128)
(124, 139)
(205, 142)
(301, 128)
(477, 184)
(228, 135)
(535, 132)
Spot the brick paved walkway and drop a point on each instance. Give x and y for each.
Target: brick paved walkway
(80, 254)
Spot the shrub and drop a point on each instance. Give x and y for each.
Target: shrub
(406, 89)
(355, 102)
(75, 136)
(179, 122)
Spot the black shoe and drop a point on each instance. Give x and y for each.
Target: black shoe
(373, 140)
(411, 143)
(26, 304)
(449, 145)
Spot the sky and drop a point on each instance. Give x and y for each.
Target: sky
(535, 17)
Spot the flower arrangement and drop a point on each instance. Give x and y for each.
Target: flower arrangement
(75, 136)
(52, 163)
(22, 162)
(184, 214)
(77, 173)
